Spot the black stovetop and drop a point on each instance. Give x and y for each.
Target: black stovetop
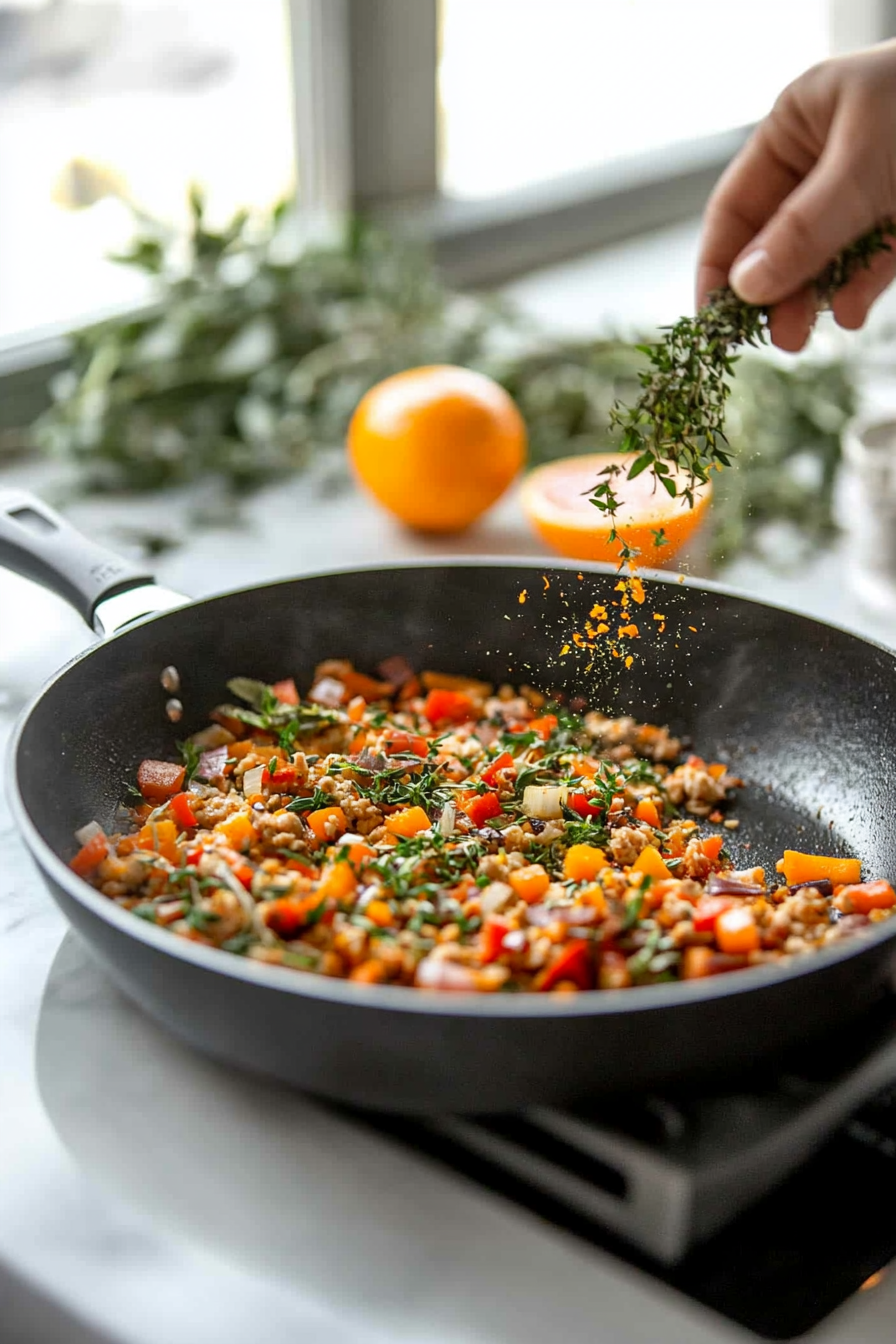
(777, 1267)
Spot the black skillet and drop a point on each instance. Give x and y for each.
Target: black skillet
(804, 712)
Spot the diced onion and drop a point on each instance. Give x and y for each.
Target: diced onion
(88, 832)
(252, 781)
(544, 801)
(447, 819)
(495, 896)
(216, 735)
(435, 973)
(212, 762)
(327, 692)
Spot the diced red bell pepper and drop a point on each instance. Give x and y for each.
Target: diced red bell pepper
(409, 743)
(244, 873)
(574, 963)
(503, 762)
(89, 856)
(182, 812)
(193, 856)
(707, 911)
(288, 915)
(543, 726)
(300, 866)
(482, 808)
(494, 932)
(160, 780)
(286, 691)
(441, 706)
(581, 803)
(283, 778)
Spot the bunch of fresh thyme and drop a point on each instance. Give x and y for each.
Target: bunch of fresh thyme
(677, 424)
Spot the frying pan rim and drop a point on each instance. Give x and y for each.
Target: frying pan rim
(396, 998)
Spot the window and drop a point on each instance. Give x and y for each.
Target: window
(511, 132)
(137, 99)
(530, 90)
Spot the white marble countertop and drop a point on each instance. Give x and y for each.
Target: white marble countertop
(159, 1196)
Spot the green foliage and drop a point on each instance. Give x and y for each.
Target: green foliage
(257, 351)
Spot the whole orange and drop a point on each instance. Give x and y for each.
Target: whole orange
(437, 445)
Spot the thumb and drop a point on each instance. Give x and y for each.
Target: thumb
(817, 220)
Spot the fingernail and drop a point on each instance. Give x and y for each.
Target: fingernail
(749, 276)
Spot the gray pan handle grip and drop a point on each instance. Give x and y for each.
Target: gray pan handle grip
(40, 545)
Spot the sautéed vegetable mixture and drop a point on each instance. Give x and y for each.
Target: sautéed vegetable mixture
(432, 831)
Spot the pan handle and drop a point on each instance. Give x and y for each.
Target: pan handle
(106, 590)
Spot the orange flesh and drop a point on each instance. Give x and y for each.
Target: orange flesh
(555, 499)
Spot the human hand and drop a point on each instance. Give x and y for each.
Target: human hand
(817, 173)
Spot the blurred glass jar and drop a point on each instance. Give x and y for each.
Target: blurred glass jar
(867, 498)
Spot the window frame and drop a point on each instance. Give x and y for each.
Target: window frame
(365, 129)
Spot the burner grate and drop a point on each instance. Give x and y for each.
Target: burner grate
(738, 1200)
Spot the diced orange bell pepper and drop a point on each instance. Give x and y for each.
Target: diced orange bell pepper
(798, 867)
(338, 881)
(380, 914)
(647, 811)
(286, 691)
(529, 883)
(370, 972)
(696, 963)
(574, 963)
(867, 896)
(355, 709)
(650, 861)
(159, 780)
(442, 707)
(543, 726)
(237, 831)
(162, 837)
(582, 863)
(712, 846)
(90, 855)
(409, 821)
(182, 812)
(240, 749)
(318, 820)
(359, 852)
(358, 683)
(736, 930)
(584, 767)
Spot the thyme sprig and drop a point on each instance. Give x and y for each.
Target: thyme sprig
(676, 427)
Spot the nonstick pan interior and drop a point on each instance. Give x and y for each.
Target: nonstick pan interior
(804, 712)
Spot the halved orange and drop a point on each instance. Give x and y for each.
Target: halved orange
(555, 499)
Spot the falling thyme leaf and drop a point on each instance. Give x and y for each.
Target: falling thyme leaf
(676, 427)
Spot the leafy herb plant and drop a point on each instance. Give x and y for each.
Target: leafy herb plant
(677, 425)
(255, 352)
